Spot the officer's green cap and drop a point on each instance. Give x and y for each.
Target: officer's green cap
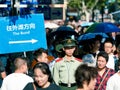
(69, 43)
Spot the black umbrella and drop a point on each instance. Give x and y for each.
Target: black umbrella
(61, 33)
(64, 31)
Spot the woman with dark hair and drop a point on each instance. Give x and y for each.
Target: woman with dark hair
(85, 77)
(43, 78)
(104, 73)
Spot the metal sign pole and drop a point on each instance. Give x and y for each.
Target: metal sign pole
(24, 54)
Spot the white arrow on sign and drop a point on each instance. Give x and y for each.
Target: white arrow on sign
(24, 41)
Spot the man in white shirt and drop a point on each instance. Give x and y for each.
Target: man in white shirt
(17, 80)
(108, 48)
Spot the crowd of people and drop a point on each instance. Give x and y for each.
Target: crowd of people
(92, 64)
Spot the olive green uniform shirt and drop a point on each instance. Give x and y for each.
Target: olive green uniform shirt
(64, 70)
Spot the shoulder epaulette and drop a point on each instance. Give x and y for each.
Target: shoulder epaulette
(78, 59)
(59, 59)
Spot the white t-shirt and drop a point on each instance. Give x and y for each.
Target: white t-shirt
(111, 62)
(16, 81)
(113, 82)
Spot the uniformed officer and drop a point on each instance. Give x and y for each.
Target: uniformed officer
(65, 67)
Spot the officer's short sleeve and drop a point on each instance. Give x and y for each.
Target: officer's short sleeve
(56, 73)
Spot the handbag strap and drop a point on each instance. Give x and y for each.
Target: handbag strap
(103, 79)
(34, 86)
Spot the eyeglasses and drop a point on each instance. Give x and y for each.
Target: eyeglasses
(107, 47)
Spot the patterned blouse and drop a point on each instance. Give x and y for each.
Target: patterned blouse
(104, 83)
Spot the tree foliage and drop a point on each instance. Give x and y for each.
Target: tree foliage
(92, 4)
(88, 6)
